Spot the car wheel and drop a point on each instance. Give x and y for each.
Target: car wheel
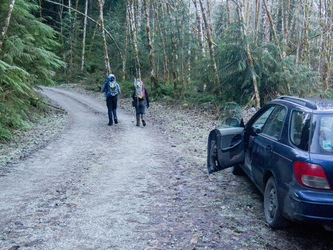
(237, 170)
(212, 159)
(272, 207)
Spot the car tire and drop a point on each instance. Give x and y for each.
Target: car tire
(212, 159)
(272, 206)
(237, 170)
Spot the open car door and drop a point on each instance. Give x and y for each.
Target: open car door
(225, 148)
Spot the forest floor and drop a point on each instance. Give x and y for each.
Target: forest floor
(72, 182)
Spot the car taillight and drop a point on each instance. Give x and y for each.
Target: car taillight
(311, 175)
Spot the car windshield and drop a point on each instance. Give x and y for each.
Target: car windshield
(322, 138)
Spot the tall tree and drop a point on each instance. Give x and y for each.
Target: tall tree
(130, 6)
(84, 34)
(211, 48)
(239, 8)
(7, 20)
(101, 19)
(153, 74)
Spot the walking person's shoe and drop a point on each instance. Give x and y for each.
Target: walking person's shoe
(110, 123)
(115, 120)
(143, 123)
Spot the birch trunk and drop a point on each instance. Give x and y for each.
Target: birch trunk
(106, 56)
(211, 49)
(7, 21)
(135, 41)
(153, 77)
(84, 35)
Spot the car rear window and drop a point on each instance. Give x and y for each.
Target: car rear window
(326, 133)
(300, 129)
(322, 134)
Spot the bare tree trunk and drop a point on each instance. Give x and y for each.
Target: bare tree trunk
(305, 46)
(256, 21)
(125, 45)
(285, 28)
(211, 49)
(199, 28)
(91, 19)
(272, 26)
(138, 12)
(189, 48)
(265, 27)
(228, 12)
(165, 61)
(276, 40)
(322, 30)
(328, 43)
(153, 77)
(84, 35)
(135, 41)
(70, 41)
(75, 30)
(7, 20)
(106, 56)
(173, 57)
(249, 57)
(92, 41)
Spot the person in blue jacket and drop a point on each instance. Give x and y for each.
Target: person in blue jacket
(112, 90)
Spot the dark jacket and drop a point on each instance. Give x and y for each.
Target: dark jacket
(146, 97)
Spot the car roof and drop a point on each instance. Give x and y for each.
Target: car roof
(311, 103)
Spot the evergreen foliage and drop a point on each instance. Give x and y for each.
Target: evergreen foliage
(26, 59)
(292, 62)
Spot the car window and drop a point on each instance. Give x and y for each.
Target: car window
(274, 123)
(299, 129)
(326, 133)
(260, 121)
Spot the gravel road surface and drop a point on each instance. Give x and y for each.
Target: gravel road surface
(88, 189)
(125, 187)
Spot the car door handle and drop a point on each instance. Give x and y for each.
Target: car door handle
(269, 148)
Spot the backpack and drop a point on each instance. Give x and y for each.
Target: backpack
(113, 88)
(139, 89)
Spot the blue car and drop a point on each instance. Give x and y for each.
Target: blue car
(286, 150)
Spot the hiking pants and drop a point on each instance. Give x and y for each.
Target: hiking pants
(111, 103)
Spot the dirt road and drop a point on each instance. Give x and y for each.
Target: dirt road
(124, 187)
(88, 189)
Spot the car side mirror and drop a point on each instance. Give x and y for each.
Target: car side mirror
(255, 130)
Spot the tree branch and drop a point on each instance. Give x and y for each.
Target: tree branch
(107, 32)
